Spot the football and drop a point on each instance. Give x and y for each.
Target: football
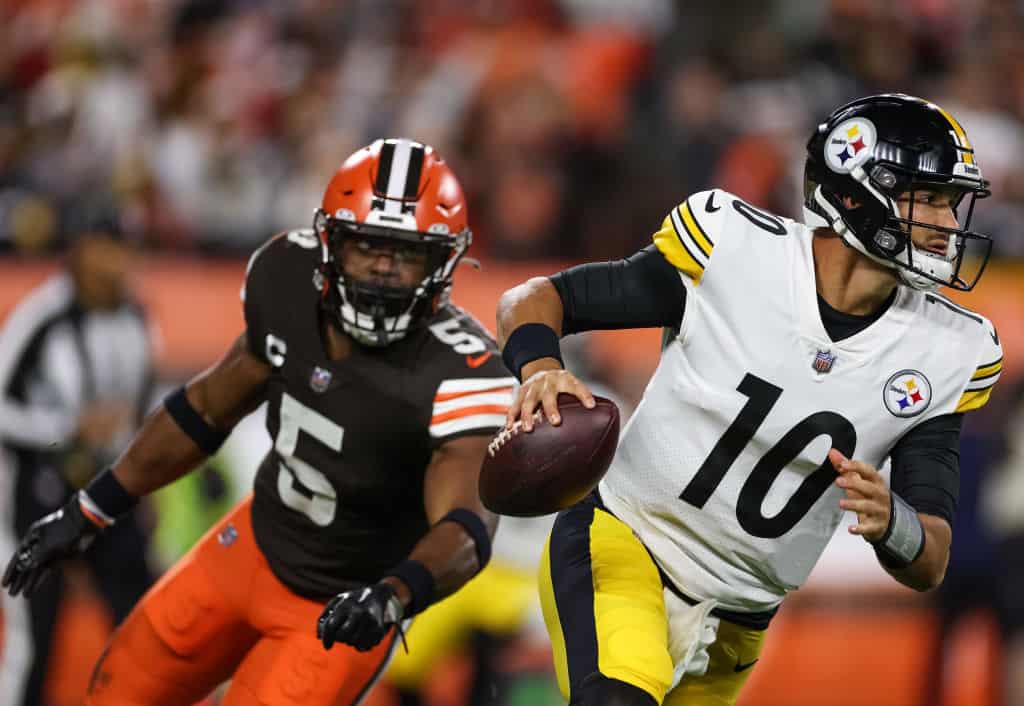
(551, 467)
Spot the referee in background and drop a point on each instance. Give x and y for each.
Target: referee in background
(76, 376)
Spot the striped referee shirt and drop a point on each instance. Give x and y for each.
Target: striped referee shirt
(56, 359)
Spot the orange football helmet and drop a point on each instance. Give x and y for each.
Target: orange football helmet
(400, 192)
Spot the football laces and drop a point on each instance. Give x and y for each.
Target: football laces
(506, 434)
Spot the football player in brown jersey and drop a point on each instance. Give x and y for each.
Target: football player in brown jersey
(381, 399)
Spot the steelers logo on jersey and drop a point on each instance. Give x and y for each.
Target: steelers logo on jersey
(849, 144)
(907, 393)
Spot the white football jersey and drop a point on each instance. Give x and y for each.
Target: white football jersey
(722, 471)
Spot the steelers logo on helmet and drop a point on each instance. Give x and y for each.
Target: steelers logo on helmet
(907, 393)
(849, 144)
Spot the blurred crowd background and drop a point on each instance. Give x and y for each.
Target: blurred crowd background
(575, 125)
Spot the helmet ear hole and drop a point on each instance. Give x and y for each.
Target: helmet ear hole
(884, 177)
(888, 242)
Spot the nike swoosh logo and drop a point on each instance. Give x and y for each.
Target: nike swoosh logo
(475, 361)
(744, 667)
(995, 336)
(710, 206)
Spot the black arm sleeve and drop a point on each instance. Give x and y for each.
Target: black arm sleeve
(926, 466)
(642, 291)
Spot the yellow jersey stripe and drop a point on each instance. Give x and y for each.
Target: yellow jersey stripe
(973, 399)
(985, 371)
(670, 243)
(683, 231)
(696, 232)
(968, 151)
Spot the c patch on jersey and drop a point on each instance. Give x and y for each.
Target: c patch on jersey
(907, 393)
(849, 144)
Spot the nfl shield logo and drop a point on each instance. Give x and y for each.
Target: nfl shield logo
(227, 536)
(320, 380)
(823, 361)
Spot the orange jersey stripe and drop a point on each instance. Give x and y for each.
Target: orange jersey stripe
(469, 412)
(444, 396)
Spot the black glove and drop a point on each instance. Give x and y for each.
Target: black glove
(360, 617)
(60, 535)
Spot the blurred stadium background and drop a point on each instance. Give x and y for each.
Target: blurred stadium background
(575, 125)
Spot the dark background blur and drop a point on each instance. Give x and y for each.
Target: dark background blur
(574, 125)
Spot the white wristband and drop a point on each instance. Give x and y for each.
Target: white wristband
(903, 540)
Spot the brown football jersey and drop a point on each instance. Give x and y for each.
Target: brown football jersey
(339, 497)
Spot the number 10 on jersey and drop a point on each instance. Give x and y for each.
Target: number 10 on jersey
(761, 398)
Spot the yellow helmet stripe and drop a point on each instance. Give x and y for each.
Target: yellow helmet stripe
(965, 144)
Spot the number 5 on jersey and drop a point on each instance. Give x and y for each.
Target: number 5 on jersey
(302, 487)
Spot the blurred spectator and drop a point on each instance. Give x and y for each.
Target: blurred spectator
(973, 577)
(75, 377)
(215, 121)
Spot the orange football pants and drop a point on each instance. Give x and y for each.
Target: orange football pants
(221, 614)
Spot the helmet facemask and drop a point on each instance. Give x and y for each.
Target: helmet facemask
(874, 226)
(377, 314)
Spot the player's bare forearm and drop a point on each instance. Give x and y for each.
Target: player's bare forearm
(928, 570)
(447, 550)
(162, 452)
(534, 301)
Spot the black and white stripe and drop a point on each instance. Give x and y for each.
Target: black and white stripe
(56, 358)
(399, 172)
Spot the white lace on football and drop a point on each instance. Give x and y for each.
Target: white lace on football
(506, 434)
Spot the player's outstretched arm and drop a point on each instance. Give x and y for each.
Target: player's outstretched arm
(455, 549)
(175, 438)
(189, 426)
(458, 544)
(912, 546)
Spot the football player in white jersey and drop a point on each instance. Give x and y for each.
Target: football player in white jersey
(804, 356)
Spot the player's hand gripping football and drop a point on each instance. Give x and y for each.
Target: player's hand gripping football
(866, 494)
(59, 535)
(360, 617)
(542, 381)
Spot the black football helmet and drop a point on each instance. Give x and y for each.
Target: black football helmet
(877, 148)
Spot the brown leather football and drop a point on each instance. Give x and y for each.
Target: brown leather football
(551, 467)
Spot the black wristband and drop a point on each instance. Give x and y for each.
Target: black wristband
(420, 582)
(192, 423)
(104, 499)
(530, 342)
(476, 529)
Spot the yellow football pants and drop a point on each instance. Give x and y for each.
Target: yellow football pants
(604, 607)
